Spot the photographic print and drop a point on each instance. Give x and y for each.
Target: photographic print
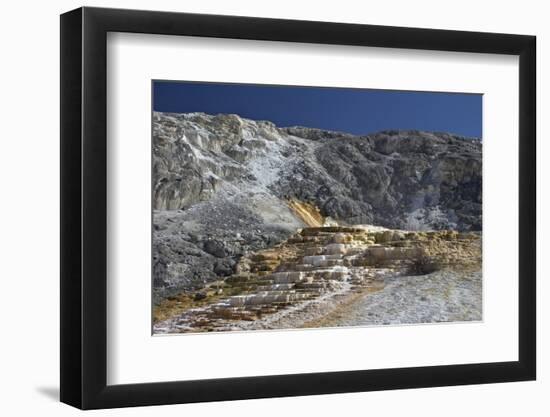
(292, 207)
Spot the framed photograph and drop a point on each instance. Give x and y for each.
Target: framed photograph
(257, 208)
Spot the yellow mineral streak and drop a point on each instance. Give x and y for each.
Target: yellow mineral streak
(307, 213)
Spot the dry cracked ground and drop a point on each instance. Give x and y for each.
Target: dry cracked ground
(338, 276)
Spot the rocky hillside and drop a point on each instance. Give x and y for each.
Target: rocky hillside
(225, 186)
(307, 280)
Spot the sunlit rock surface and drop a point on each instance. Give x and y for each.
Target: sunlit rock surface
(224, 186)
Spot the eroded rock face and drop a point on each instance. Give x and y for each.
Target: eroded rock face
(223, 186)
(395, 178)
(204, 243)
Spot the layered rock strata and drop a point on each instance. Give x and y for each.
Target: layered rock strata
(224, 186)
(296, 282)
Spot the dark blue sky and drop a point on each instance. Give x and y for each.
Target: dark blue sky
(358, 111)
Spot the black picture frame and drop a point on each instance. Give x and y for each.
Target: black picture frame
(84, 207)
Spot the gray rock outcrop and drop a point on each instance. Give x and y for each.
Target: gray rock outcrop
(221, 187)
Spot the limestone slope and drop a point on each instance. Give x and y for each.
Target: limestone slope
(312, 278)
(224, 186)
